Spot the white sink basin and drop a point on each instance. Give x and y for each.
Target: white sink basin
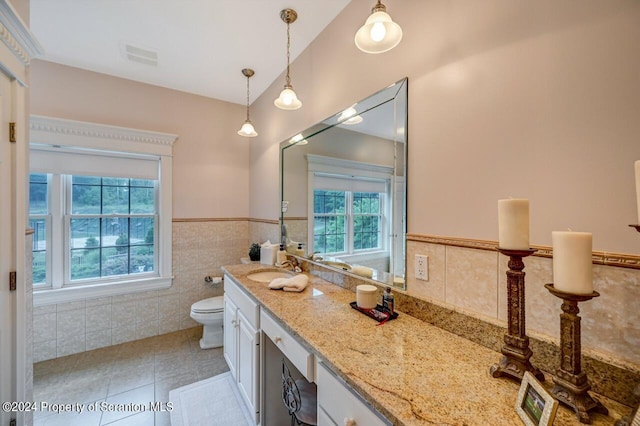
(267, 276)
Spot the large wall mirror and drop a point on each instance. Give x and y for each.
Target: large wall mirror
(344, 188)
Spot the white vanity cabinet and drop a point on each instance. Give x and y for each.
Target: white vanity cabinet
(338, 405)
(230, 342)
(242, 343)
(288, 345)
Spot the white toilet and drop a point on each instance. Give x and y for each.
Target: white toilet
(210, 313)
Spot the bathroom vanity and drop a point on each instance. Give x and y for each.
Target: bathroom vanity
(247, 330)
(404, 372)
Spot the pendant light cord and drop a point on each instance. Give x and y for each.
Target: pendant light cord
(247, 98)
(288, 79)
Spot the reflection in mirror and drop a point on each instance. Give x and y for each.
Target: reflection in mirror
(344, 188)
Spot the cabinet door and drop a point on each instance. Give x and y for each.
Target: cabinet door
(340, 405)
(248, 364)
(230, 330)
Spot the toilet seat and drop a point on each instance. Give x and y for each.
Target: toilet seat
(208, 306)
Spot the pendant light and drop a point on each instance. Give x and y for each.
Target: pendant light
(247, 129)
(379, 33)
(288, 99)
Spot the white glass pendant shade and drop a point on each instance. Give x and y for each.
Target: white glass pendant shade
(247, 130)
(348, 116)
(378, 34)
(288, 99)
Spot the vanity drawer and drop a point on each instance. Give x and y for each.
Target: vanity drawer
(249, 308)
(288, 345)
(339, 405)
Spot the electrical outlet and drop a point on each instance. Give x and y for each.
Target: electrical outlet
(422, 267)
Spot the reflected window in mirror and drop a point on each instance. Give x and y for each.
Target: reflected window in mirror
(344, 190)
(351, 211)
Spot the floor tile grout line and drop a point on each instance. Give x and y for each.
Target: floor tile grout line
(180, 344)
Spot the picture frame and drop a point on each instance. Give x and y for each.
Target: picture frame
(534, 404)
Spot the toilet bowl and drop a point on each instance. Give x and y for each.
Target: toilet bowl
(210, 313)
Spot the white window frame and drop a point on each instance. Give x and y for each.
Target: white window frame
(349, 225)
(336, 166)
(47, 133)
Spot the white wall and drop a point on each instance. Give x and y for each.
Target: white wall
(523, 99)
(210, 161)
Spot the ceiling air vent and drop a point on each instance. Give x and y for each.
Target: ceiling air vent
(140, 54)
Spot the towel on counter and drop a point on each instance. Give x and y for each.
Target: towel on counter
(297, 283)
(363, 271)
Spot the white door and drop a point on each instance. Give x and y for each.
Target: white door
(248, 364)
(7, 254)
(230, 330)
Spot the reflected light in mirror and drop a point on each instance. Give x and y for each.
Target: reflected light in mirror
(299, 139)
(349, 117)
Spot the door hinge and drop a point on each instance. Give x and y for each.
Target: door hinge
(12, 132)
(13, 278)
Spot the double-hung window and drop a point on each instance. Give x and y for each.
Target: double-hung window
(348, 221)
(100, 208)
(351, 207)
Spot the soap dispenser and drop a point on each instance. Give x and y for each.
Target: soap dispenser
(300, 250)
(282, 256)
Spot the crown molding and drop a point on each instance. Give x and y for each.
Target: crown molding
(59, 131)
(17, 36)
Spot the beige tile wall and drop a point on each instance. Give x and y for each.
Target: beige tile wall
(259, 232)
(200, 248)
(297, 230)
(474, 281)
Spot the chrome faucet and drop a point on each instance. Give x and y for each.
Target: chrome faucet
(313, 257)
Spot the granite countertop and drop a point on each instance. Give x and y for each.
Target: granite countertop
(411, 372)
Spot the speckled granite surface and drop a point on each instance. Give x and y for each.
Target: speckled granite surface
(412, 372)
(606, 376)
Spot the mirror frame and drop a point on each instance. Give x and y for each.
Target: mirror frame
(387, 94)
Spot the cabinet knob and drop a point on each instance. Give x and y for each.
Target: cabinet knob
(349, 422)
(234, 323)
(277, 339)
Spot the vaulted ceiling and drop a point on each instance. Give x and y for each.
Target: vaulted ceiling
(195, 46)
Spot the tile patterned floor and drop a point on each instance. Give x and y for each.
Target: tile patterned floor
(123, 379)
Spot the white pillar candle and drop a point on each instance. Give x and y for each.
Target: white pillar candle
(638, 187)
(513, 224)
(572, 262)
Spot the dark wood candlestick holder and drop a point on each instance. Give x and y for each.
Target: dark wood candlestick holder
(515, 351)
(636, 226)
(571, 384)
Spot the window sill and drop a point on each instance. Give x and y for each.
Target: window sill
(363, 256)
(71, 294)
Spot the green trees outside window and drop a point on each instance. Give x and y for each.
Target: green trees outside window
(109, 225)
(38, 211)
(343, 216)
